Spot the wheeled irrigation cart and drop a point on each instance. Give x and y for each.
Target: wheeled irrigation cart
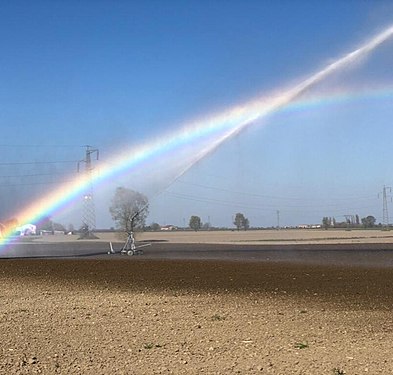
(129, 247)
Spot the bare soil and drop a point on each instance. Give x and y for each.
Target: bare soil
(146, 316)
(273, 237)
(251, 237)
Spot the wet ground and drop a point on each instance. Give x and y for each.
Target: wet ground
(367, 255)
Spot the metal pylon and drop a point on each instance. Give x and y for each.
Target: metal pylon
(88, 215)
(385, 215)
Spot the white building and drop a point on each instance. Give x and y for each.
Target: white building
(26, 230)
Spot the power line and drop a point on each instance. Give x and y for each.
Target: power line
(40, 162)
(266, 196)
(31, 175)
(36, 183)
(41, 146)
(271, 207)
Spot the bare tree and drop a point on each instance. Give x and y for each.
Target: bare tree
(129, 209)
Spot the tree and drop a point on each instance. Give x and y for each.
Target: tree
(9, 226)
(246, 224)
(206, 226)
(195, 223)
(325, 222)
(129, 209)
(47, 224)
(155, 226)
(369, 221)
(241, 221)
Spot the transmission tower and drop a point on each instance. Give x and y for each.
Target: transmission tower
(88, 215)
(385, 215)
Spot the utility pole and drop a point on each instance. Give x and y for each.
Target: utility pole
(278, 219)
(88, 215)
(385, 214)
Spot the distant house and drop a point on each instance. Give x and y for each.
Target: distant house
(168, 227)
(26, 230)
(309, 226)
(52, 232)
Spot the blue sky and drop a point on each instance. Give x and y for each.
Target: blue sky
(116, 74)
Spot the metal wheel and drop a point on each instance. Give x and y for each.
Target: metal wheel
(130, 252)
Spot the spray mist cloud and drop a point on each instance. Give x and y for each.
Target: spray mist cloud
(230, 123)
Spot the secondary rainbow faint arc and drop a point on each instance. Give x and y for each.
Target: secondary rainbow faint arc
(229, 122)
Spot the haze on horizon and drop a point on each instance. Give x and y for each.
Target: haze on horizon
(116, 75)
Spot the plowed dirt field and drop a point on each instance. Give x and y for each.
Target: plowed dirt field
(132, 315)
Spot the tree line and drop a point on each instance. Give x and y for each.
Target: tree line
(129, 210)
(351, 221)
(240, 221)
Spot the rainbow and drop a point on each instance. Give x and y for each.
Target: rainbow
(126, 162)
(218, 128)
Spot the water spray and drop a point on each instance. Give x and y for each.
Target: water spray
(231, 122)
(268, 106)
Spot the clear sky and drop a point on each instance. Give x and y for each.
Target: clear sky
(118, 74)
